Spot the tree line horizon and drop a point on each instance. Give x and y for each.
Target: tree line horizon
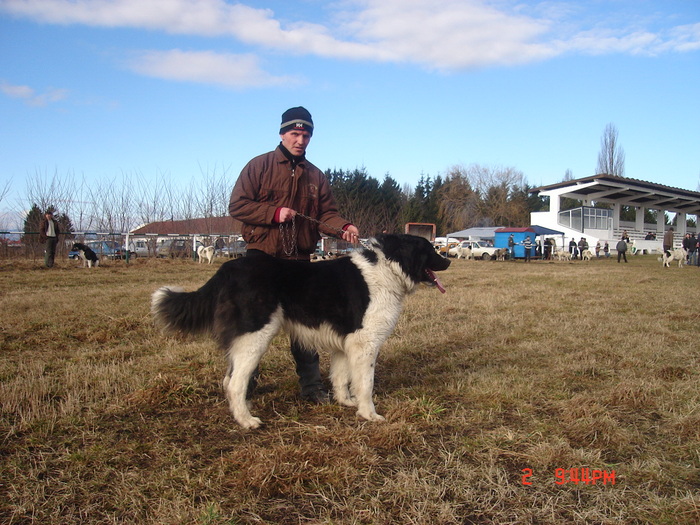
(464, 197)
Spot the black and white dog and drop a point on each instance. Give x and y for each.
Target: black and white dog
(348, 306)
(88, 256)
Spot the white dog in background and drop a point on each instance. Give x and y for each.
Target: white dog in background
(679, 254)
(205, 252)
(587, 255)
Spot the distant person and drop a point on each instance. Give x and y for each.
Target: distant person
(219, 246)
(573, 248)
(668, 240)
(582, 246)
(689, 245)
(626, 236)
(693, 250)
(527, 244)
(621, 249)
(606, 249)
(48, 234)
(597, 249)
(511, 246)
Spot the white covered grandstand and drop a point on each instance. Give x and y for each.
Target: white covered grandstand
(604, 225)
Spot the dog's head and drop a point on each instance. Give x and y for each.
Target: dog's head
(77, 247)
(416, 256)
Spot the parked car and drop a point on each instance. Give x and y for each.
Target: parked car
(443, 249)
(479, 250)
(103, 249)
(234, 250)
(176, 248)
(138, 248)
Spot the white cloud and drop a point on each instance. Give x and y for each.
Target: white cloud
(683, 38)
(30, 96)
(446, 35)
(227, 70)
(452, 34)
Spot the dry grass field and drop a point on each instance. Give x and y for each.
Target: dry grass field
(529, 393)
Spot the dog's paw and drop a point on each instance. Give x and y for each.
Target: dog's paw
(250, 422)
(371, 417)
(346, 400)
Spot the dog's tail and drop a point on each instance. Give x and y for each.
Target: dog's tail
(175, 310)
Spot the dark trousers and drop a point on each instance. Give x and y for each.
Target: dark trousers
(307, 367)
(621, 254)
(50, 252)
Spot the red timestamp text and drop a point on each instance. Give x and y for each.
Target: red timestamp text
(582, 476)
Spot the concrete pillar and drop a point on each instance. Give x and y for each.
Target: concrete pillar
(616, 215)
(660, 222)
(681, 226)
(555, 204)
(639, 219)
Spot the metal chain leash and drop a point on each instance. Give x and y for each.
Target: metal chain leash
(288, 236)
(336, 230)
(288, 233)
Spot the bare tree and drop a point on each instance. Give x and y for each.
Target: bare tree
(611, 159)
(154, 199)
(49, 191)
(214, 192)
(4, 191)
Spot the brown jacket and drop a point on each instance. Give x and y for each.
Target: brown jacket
(268, 182)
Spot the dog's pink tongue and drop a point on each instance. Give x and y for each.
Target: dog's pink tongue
(435, 279)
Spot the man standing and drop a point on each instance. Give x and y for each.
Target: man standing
(621, 249)
(527, 244)
(668, 240)
(284, 203)
(511, 247)
(48, 234)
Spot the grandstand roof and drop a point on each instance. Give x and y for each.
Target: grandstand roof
(627, 192)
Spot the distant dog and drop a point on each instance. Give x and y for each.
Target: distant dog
(587, 255)
(205, 252)
(348, 306)
(464, 252)
(564, 255)
(679, 254)
(501, 254)
(85, 253)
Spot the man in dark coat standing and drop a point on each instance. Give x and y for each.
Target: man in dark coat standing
(48, 234)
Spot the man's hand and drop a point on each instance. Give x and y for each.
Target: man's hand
(286, 214)
(351, 234)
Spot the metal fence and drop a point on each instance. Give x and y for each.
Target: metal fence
(21, 245)
(112, 245)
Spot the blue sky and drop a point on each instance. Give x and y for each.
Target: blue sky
(100, 88)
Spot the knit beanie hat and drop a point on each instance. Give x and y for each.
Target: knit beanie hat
(296, 118)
